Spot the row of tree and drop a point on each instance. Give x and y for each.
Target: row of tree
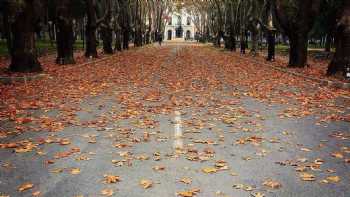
(124, 20)
(143, 21)
(233, 20)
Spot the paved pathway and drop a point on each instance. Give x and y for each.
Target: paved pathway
(185, 120)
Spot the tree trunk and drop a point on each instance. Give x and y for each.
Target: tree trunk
(90, 31)
(271, 41)
(341, 60)
(126, 38)
(328, 43)
(254, 34)
(65, 35)
(297, 24)
(242, 43)
(118, 40)
(7, 27)
(107, 37)
(125, 22)
(106, 29)
(298, 50)
(23, 51)
(91, 42)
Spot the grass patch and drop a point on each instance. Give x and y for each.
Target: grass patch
(43, 47)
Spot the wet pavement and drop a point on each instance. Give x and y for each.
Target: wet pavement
(185, 120)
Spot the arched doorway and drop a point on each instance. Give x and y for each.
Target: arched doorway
(170, 33)
(188, 34)
(179, 32)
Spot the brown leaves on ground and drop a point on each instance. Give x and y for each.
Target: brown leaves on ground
(209, 170)
(158, 168)
(75, 171)
(145, 183)
(272, 184)
(331, 179)
(25, 186)
(107, 192)
(307, 176)
(197, 79)
(111, 179)
(189, 193)
(186, 180)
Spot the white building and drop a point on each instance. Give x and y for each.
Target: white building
(179, 25)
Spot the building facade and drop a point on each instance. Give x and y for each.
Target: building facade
(179, 26)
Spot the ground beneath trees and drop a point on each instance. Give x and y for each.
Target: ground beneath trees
(177, 120)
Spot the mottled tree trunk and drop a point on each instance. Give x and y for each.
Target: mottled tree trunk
(254, 34)
(107, 37)
(271, 41)
(23, 51)
(341, 60)
(328, 43)
(107, 31)
(298, 49)
(64, 33)
(90, 31)
(118, 40)
(297, 25)
(242, 43)
(126, 38)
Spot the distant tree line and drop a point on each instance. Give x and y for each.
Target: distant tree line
(142, 21)
(298, 21)
(114, 21)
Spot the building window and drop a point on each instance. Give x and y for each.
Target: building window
(188, 34)
(170, 34)
(170, 21)
(188, 21)
(179, 20)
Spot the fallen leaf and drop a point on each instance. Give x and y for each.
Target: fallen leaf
(65, 142)
(146, 183)
(333, 179)
(307, 176)
(209, 170)
(75, 171)
(272, 184)
(158, 168)
(186, 180)
(258, 194)
(188, 193)
(111, 179)
(338, 155)
(36, 193)
(25, 186)
(107, 192)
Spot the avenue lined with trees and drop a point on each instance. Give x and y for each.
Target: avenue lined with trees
(325, 22)
(245, 98)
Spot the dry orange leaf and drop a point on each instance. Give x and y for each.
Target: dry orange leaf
(107, 192)
(25, 186)
(65, 141)
(338, 155)
(75, 171)
(333, 179)
(146, 183)
(158, 168)
(111, 179)
(189, 193)
(307, 176)
(272, 184)
(36, 193)
(186, 180)
(258, 194)
(209, 170)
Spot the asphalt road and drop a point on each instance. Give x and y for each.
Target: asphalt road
(182, 124)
